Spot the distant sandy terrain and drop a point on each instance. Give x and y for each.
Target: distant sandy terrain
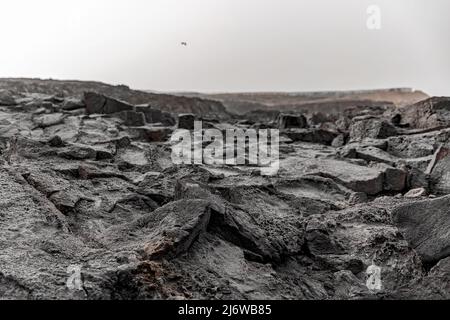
(333, 101)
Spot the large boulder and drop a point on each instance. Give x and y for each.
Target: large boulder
(100, 104)
(132, 118)
(426, 227)
(371, 128)
(186, 121)
(429, 113)
(7, 98)
(287, 121)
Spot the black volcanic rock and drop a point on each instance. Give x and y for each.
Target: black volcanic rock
(91, 185)
(371, 128)
(426, 225)
(288, 121)
(100, 104)
(186, 121)
(430, 113)
(132, 118)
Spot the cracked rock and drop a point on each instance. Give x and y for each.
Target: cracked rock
(426, 225)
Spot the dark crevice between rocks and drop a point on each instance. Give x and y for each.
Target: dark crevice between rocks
(217, 225)
(429, 265)
(252, 252)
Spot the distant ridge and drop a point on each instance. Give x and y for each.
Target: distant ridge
(318, 100)
(222, 104)
(75, 88)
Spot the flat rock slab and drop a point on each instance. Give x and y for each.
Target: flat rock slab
(376, 155)
(371, 128)
(315, 190)
(426, 226)
(355, 177)
(28, 225)
(100, 104)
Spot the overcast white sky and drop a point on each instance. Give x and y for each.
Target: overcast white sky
(233, 45)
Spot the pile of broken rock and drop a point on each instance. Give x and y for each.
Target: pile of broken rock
(88, 181)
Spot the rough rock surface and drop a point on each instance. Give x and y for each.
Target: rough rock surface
(100, 104)
(426, 225)
(371, 128)
(430, 113)
(89, 191)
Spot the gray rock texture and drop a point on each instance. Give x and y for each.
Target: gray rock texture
(92, 205)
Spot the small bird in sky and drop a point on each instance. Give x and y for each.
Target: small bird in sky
(184, 44)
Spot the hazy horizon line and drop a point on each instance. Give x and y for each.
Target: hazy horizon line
(403, 89)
